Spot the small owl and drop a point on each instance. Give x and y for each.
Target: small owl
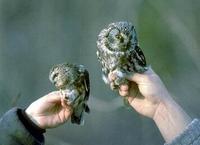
(119, 53)
(73, 82)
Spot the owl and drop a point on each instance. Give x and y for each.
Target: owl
(73, 82)
(118, 53)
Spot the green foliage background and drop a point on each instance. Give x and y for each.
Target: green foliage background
(36, 34)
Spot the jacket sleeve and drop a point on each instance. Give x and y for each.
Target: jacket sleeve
(191, 135)
(17, 129)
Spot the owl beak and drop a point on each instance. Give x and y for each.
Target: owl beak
(54, 83)
(121, 39)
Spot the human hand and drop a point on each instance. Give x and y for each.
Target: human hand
(49, 111)
(148, 96)
(144, 92)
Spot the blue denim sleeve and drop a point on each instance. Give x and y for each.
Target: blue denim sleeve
(190, 136)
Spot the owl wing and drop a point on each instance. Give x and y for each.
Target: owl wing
(87, 90)
(86, 84)
(136, 61)
(103, 58)
(140, 56)
(80, 104)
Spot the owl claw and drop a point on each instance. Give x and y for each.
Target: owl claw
(113, 86)
(69, 95)
(62, 94)
(117, 78)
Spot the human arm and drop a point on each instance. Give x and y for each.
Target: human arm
(22, 127)
(14, 130)
(148, 96)
(49, 111)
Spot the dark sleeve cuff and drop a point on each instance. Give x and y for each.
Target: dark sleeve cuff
(35, 130)
(17, 128)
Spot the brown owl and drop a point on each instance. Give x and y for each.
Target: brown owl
(73, 81)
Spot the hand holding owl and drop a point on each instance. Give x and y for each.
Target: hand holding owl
(145, 92)
(73, 82)
(49, 111)
(119, 53)
(124, 68)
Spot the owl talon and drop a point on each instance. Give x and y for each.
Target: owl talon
(71, 96)
(118, 78)
(63, 95)
(113, 86)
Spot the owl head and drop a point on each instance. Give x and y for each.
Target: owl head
(119, 36)
(60, 75)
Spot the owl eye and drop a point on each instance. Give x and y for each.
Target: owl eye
(54, 76)
(118, 36)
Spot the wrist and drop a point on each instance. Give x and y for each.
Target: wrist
(32, 117)
(162, 108)
(34, 129)
(171, 119)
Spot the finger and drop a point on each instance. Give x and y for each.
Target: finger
(123, 93)
(140, 77)
(123, 90)
(54, 96)
(65, 100)
(124, 87)
(63, 103)
(136, 77)
(63, 95)
(130, 99)
(111, 76)
(137, 103)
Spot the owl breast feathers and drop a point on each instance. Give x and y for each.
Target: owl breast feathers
(118, 51)
(73, 81)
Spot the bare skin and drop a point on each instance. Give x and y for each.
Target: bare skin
(49, 111)
(148, 96)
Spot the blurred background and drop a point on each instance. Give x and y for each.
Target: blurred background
(35, 35)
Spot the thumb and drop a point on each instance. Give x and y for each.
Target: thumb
(140, 77)
(53, 97)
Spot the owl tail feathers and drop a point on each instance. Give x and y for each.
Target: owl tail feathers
(77, 119)
(77, 116)
(87, 109)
